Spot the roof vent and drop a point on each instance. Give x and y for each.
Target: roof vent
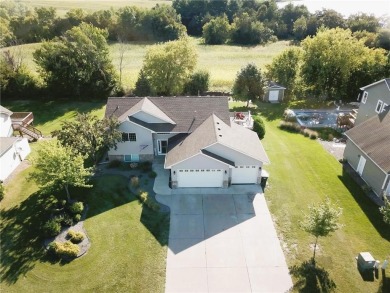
(217, 122)
(219, 128)
(220, 135)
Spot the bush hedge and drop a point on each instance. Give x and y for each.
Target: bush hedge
(75, 237)
(52, 227)
(76, 207)
(64, 250)
(258, 127)
(294, 127)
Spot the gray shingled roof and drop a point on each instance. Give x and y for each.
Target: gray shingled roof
(212, 131)
(187, 112)
(6, 143)
(373, 138)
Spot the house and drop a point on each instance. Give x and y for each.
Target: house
(274, 93)
(373, 100)
(13, 150)
(368, 143)
(195, 137)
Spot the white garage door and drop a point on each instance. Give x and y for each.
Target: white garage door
(245, 175)
(200, 178)
(273, 96)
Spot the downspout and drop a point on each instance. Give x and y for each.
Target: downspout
(384, 182)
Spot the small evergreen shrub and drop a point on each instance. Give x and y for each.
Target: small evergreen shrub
(74, 236)
(76, 207)
(114, 164)
(134, 182)
(258, 127)
(306, 132)
(313, 135)
(1, 191)
(152, 174)
(64, 250)
(76, 218)
(52, 227)
(290, 126)
(67, 220)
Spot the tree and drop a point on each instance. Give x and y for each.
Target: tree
(383, 39)
(363, 22)
(89, 136)
(285, 69)
(142, 86)
(168, 66)
(385, 211)
(331, 57)
(198, 83)
(330, 18)
(248, 31)
(300, 28)
(217, 30)
(321, 221)
(249, 84)
(2, 191)
(77, 65)
(258, 127)
(59, 166)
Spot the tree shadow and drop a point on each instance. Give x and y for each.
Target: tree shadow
(271, 111)
(21, 239)
(312, 278)
(370, 209)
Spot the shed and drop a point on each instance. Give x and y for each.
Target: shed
(274, 93)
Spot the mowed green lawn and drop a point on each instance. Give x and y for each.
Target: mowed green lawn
(222, 61)
(302, 173)
(128, 248)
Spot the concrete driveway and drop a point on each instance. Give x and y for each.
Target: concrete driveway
(223, 243)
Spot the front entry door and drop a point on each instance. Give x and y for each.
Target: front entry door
(162, 147)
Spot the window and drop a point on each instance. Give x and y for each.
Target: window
(131, 158)
(364, 99)
(129, 136)
(378, 108)
(384, 108)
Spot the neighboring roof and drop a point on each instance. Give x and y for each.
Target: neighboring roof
(373, 138)
(385, 80)
(145, 105)
(5, 110)
(6, 143)
(274, 85)
(214, 130)
(187, 112)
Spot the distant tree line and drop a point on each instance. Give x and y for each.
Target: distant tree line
(248, 22)
(131, 23)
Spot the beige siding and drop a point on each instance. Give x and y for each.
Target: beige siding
(232, 155)
(144, 137)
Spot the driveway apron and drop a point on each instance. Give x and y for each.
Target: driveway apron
(224, 243)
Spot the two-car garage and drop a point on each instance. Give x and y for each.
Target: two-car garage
(215, 177)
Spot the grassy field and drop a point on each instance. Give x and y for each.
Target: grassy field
(222, 61)
(91, 5)
(302, 173)
(128, 248)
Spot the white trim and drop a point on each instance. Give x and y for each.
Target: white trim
(384, 182)
(380, 102)
(159, 146)
(375, 83)
(364, 153)
(384, 107)
(364, 97)
(361, 165)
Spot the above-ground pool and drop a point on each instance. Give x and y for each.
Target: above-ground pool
(318, 118)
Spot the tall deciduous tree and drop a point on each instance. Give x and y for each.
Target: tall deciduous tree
(198, 83)
(78, 65)
(249, 84)
(89, 136)
(169, 65)
(59, 166)
(330, 58)
(217, 30)
(321, 221)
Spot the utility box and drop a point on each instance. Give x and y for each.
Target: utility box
(365, 261)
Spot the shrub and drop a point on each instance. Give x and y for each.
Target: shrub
(330, 137)
(134, 182)
(290, 126)
(66, 249)
(75, 237)
(143, 196)
(152, 174)
(114, 164)
(133, 165)
(1, 191)
(52, 227)
(198, 83)
(77, 218)
(306, 132)
(76, 207)
(145, 166)
(258, 127)
(313, 135)
(67, 220)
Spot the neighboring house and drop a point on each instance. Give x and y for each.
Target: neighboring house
(368, 143)
(200, 145)
(13, 150)
(373, 100)
(274, 93)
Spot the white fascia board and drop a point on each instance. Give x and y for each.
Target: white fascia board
(375, 83)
